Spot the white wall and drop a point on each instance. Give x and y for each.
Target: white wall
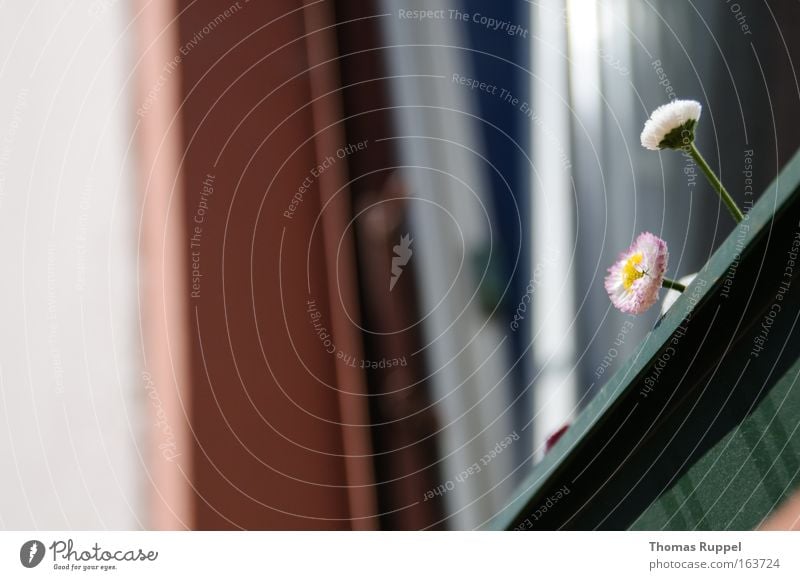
(72, 403)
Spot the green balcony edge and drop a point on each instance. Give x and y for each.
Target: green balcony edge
(744, 477)
(613, 399)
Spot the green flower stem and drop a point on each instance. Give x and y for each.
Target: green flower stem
(672, 285)
(716, 183)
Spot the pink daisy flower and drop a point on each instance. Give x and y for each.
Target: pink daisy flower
(634, 280)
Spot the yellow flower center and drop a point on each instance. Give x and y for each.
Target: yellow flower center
(631, 271)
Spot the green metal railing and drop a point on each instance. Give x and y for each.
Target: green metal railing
(699, 428)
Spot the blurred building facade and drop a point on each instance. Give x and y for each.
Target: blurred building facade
(338, 265)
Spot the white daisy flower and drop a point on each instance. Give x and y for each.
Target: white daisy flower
(671, 126)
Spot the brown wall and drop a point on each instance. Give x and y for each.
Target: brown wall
(267, 399)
